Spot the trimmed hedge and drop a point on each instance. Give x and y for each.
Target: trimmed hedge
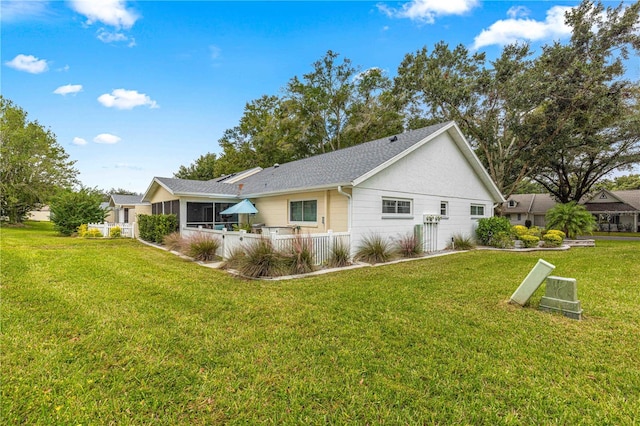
(155, 227)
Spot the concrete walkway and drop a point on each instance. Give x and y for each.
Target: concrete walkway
(612, 237)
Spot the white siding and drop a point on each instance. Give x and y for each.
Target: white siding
(435, 172)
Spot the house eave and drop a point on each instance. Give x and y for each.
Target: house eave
(297, 190)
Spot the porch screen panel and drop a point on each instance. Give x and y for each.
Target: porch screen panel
(175, 208)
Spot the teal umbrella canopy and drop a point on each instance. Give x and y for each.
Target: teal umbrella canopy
(243, 207)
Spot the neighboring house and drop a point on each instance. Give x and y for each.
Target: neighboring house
(125, 208)
(386, 186)
(614, 210)
(521, 208)
(42, 214)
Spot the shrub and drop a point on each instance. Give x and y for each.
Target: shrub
(535, 231)
(155, 227)
(300, 257)
(462, 242)
(552, 240)
(527, 223)
(571, 218)
(82, 230)
(340, 255)
(374, 249)
(71, 209)
(174, 241)
(530, 241)
(556, 232)
(93, 233)
(262, 260)
(519, 230)
(502, 240)
(202, 246)
(490, 227)
(409, 245)
(115, 232)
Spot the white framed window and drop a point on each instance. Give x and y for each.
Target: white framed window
(512, 204)
(477, 210)
(303, 211)
(444, 208)
(397, 206)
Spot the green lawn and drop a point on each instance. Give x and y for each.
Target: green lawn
(116, 332)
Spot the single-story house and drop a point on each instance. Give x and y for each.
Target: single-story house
(521, 208)
(386, 186)
(616, 210)
(613, 210)
(124, 208)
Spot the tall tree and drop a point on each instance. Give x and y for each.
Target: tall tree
(564, 119)
(34, 166)
(588, 113)
(486, 99)
(203, 168)
(620, 183)
(337, 105)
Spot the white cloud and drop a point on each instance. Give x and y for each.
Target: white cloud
(107, 138)
(68, 89)
(115, 37)
(110, 12)
(518, 12)
(426, 11)
(79, 141)
(28, 63)
(126, 99)
(18, 10)
(518, 29)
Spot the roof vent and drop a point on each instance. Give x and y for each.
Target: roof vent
(393, 138)
(275, 166)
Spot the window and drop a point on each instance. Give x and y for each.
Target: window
(396, 206)
(303, 211)
(444, 208)
(512, 203)
(519, 216)
(477, 210)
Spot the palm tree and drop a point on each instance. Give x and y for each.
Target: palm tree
(571, 218)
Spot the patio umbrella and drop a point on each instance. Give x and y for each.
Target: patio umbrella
(243, 207)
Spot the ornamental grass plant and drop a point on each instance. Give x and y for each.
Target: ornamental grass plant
(374, 248)
(408, 246)
(202, 247)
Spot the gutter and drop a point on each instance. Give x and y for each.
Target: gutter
(340, 191)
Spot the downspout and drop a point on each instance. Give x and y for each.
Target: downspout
(340, 191)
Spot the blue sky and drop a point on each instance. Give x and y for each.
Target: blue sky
(134, 89)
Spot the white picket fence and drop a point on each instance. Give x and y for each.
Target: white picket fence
(231, 240)
(126, 229)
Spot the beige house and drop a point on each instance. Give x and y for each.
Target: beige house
(613, 210)
(125, 208)
(42, 214)
(386, 186)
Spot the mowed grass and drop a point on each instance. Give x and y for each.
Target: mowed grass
(116, 332)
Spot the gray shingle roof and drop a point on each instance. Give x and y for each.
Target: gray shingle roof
(122, 199)
(334, 168)
(198, 187)
(341, 167)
